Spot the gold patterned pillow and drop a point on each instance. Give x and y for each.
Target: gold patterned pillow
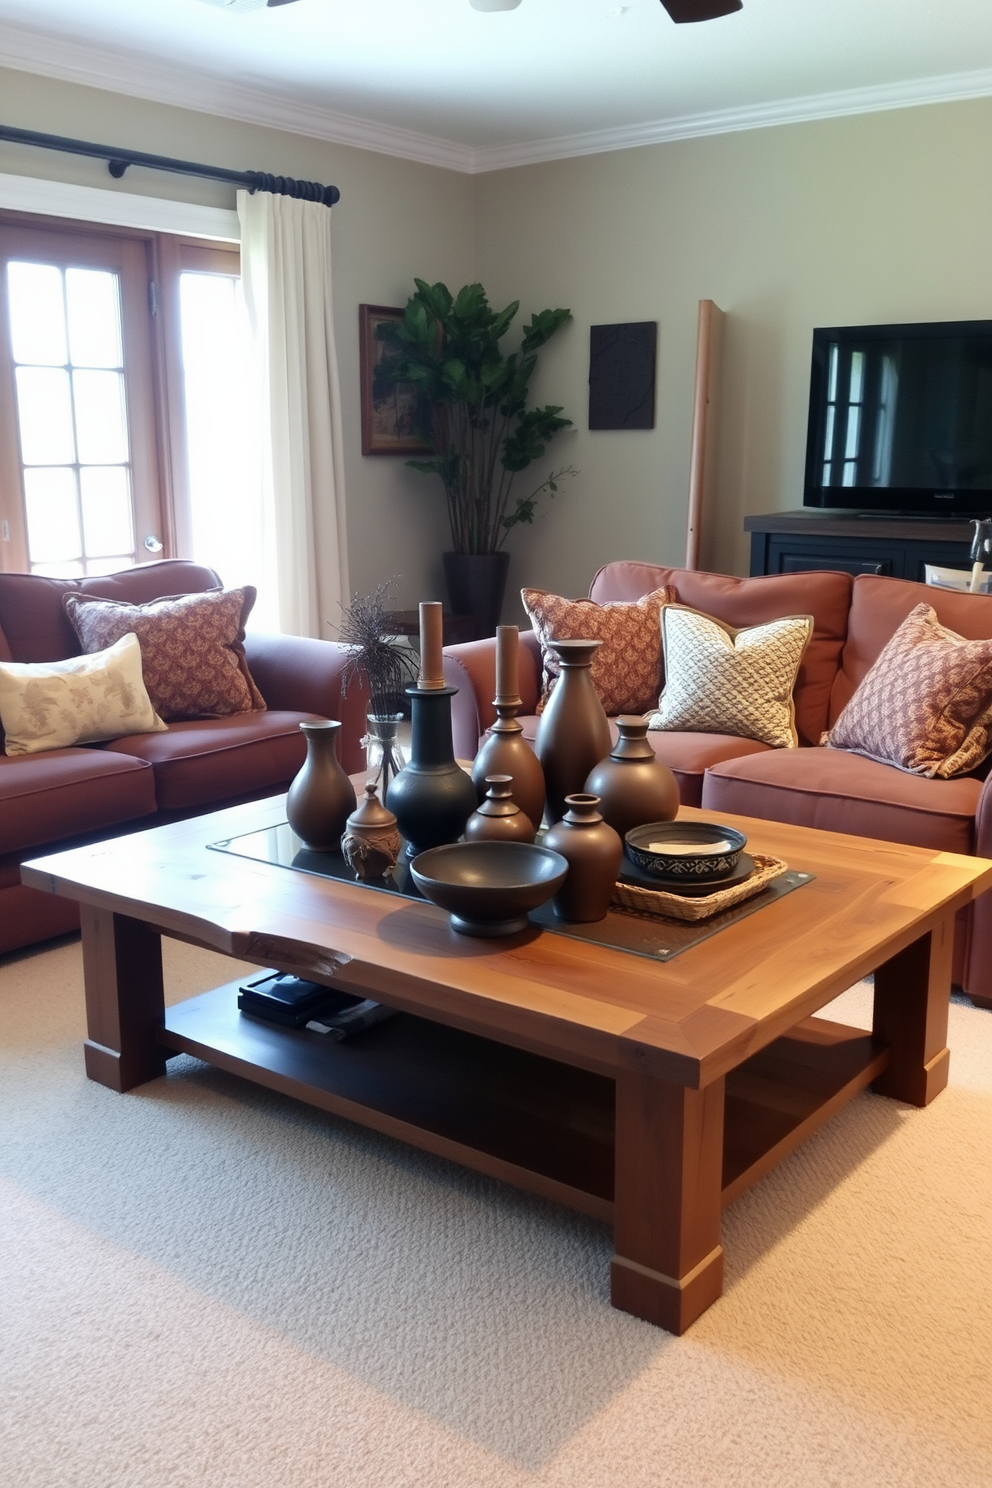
(719, 680)
(627, 667)
(926, 703)
(55, 704)
(192, 648)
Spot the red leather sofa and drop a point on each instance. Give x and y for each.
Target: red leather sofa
(64, 797)
(853, 619)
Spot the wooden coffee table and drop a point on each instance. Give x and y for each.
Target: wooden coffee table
(646, 1094)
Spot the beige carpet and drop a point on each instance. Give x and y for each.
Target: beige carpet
(203, 1284)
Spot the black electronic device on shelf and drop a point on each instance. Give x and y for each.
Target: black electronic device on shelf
(279, 997)
(900, 419)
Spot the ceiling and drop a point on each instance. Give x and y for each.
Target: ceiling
(438, 81)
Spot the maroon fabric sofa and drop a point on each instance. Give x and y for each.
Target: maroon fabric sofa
(64, 797)
(810, 786)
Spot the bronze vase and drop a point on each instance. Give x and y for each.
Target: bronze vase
(499, 818)
(573, 734)
(371, 842)
(321, 796)
(633, 785)
(505, 751)
(432, 797)
(593, 851)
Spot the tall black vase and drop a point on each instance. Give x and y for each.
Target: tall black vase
(432, 797)
(476, 583)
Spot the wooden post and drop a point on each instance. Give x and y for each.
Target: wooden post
(709, 335)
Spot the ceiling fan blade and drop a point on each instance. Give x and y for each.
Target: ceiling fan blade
(697, 10)
(270, 3)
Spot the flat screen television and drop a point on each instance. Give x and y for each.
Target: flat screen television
(900, 419)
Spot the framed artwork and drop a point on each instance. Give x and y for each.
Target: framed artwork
(621, 375)
(393, 419)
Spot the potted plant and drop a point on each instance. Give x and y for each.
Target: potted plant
(387, 667)
(448, 348)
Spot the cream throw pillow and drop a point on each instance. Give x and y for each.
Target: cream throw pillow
(53, 704)
(719, 680)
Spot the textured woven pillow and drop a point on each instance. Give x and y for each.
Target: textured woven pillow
(192, 648)
(719, 680)
(925, 705)
(54, 704)
(627, 667)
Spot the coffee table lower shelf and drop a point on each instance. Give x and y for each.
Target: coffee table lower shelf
(531, 1121)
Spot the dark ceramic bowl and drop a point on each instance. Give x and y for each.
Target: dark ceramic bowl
(685, 852)
(488, 887)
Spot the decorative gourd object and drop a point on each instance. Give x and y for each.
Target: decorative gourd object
(499, 818)
(573, 734)
(371, 842)
(593, 851)
(505, 751)
(321, 796)
(632, 783)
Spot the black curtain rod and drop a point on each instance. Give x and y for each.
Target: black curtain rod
(119, 160)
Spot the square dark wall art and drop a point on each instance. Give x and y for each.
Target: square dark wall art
(621, 375)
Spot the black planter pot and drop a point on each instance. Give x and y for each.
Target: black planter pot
(476, 584)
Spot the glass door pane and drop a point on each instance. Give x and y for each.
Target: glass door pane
(66, 342)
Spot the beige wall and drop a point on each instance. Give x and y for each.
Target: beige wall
(880, 217)
(883, 217)
(395, 219)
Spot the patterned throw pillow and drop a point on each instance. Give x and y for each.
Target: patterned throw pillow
(627, 667)
(192, 648)
(55, 704)
(719, 680)
(925, 705)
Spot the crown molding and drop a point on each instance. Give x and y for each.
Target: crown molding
(137, 77)
(951, 88)
(94, 67)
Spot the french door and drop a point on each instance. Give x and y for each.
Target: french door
(81, 451)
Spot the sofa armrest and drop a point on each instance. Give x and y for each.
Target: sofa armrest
(471, 667)
(983, 820)
(298, 674)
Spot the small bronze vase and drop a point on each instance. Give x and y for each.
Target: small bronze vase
(573, 734)
(321, 796)
(499, 818)
(505, 751)
(633, 785)
(371, 842)
(593, 851)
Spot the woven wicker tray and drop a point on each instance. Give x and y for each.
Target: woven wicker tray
(653, 902)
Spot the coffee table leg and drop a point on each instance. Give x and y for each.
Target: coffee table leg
(122, 968)
(668, 1265)
(912, 996)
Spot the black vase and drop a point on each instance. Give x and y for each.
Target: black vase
(476, 583)
(432, 797)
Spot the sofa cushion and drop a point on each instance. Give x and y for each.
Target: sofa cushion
(626, 668)
(687, 755)
(847, 793)
(879, 606)
(35, 627)
(926, 704)
(55, 704)
(722, 680)
(64, 792)
(740, 602)
(192, 648)
(214, 760)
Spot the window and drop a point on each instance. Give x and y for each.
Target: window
(122, 363)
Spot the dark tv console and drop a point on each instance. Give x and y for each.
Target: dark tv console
(795, 541)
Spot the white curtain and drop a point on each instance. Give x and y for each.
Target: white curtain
(286, 273)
